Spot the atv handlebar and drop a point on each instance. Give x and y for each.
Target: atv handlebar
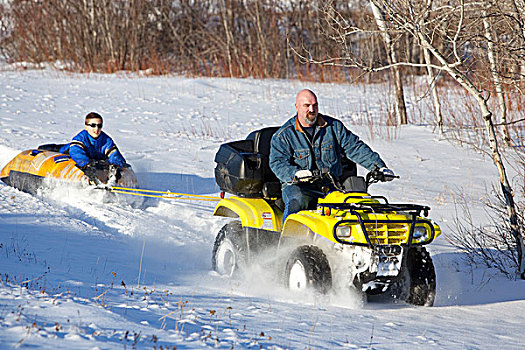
(324, 182)
(376, 176)
(317, 174)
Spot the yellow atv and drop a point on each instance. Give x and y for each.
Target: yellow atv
(348, 239)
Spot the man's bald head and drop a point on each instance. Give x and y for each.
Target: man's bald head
(307, 107)
(305, 93)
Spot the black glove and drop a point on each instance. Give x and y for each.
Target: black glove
(113, 174)
(383, 174)
(90, 170)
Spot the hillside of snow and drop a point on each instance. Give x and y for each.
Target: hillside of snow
(79, 273)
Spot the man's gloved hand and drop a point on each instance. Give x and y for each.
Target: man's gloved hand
(113, 175)
(303, 175)
(383, 174)
(90, 170)
(388, 175)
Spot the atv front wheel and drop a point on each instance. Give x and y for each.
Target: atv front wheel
(417, 285)
(229, 250)
(308, 268)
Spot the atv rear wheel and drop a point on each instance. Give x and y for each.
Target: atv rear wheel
(229, 250)
(308, 268)
(417, 284)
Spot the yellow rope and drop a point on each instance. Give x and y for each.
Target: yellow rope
(165, 194)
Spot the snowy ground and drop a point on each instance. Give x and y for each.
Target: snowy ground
(78, 273)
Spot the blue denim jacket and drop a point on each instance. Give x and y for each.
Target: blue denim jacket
(291, 150)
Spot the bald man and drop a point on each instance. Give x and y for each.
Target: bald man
(311, 141)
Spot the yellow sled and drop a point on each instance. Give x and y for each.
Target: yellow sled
(28, 170)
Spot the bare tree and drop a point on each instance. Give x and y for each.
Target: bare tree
(382, 24)
(207, 37)
(431, 76)
(464, 40)
(517, 13)
(450, 62)
(496, 77)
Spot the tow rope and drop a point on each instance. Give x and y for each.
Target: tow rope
(162, 194)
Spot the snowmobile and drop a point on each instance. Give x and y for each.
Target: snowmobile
(348, 239)
(31, 168)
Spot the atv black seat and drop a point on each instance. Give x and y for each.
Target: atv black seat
(243, 166)
(262, 139)
(53, 147)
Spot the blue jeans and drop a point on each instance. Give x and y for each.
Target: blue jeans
(294, 200)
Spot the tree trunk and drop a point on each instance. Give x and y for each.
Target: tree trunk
(431, 78)
(519, 10)
(496, 78)
(106, 7)
(401, 111)
(229, 39)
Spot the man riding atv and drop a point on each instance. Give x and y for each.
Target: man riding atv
(311, 141)
(345, 238)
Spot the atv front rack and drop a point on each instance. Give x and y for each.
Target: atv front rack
(356, 209)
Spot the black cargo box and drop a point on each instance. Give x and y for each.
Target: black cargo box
(242, 166)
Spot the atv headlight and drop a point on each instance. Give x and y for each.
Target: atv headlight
(420, 234)
(343, 231)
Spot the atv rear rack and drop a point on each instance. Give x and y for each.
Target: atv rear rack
(414, 210)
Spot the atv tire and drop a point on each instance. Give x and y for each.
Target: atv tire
(308, 268)
(229, 250)
(417, 285)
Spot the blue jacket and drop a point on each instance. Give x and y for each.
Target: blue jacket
(291, 150)
(85, 148)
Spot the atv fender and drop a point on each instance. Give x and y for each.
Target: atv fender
(253, 212)
(305, 222)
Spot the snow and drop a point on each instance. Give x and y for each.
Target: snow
(80, 273)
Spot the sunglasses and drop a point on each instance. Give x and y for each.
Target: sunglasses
(93, 125)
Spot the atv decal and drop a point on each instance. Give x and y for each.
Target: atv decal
(267, 221)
